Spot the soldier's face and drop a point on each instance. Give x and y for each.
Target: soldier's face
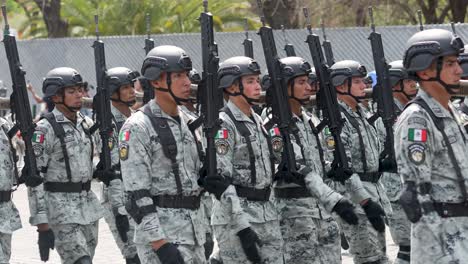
(181, 84)
(357, 87)
(302, 88)
(252, 87)
(127, 93)
(451, 70)
(410, 87)
(72, 96)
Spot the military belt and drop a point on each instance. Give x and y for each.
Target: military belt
(294, 192)
(177, 201)
(373, 177)
(5, 196)
(67, 187)
(253, 194)
(451, 209)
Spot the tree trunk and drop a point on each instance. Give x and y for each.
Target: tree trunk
(56, 26)
(458, 8)
(282, 12)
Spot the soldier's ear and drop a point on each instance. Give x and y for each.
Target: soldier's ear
(341, 88)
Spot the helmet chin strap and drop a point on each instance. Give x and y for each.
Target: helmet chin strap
(178, 100)
(249, 100)
(357, 98)
(127, 103)
(402, 90)
(69, 108)
(300, 101)
(449, 87)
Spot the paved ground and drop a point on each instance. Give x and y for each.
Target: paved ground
(25, 249)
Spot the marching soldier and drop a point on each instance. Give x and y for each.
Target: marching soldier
(64, 205)
(122, 96)
(244, 219)
(404, 89)
(160, 166)
(309, 232)
(361, 141)
(431, 153)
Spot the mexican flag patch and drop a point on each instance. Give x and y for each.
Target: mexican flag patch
(221, 134)
(274, 132)
(417, 135)
(124, 136)
(38, 137)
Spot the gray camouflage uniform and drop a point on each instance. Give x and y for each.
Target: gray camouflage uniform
(366, 244)
(425, 159)
(233, 213)
(113, 197)
(9, 216)
(145, 167)
(73, 217)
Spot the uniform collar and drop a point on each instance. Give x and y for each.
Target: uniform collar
(398, 104)
(61, 118)
(348, 109)
(239, 115)
(119, 117)
(158, 112)
(435, 106)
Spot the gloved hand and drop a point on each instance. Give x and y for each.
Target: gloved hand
(409, 202)
(283, 174)
(30, 181)
(202, 174)
(339, 174)
(249, 241)
(375, 214)
(46, 242)
(216, 185)
(345, 209)
(123, 226)
(388, 164)
(169, 254)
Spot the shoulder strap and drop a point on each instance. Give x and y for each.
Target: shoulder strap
(87, 131)
(355, 124)
(193, 125)
(60, 133)
(245, 133)
(167, 141)
(439, 123)
(295, 132)
(316, 133)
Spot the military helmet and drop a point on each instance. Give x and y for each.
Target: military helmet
(195, 76)
(165, 58)
(312, 76)
(426, 46)
(59, 78)
(463, 59)
(397, 72)
(342, 70)
(120, 76)
(292, 67)
(233, 68)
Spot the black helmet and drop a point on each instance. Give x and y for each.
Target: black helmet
(233, 68)
(397, 72)
(165, 58)
(292, 67)
(346, 69)
(312, 76)
(194, 76)
(120, 76)
(463, 59)
(59, 78)
(426, 46)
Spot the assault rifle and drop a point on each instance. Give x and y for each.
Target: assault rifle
(102, 99)
(383, 92)
(288, 47)
(248, 44)
(281, 112)
(327, 48)
(148, 91)
(327, 102)
(20, 107)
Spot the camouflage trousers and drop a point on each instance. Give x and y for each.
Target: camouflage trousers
(5, 248)
(439, 240)
(310, 240)
(73, 241)
(230, 247)
(400, 229)
(365, 243)
(128, 249)
(191, 254)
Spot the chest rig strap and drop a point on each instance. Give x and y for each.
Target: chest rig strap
(355, 124)
(60, 133)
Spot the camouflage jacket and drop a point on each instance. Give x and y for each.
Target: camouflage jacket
(57, 207)
(422, 154)
(9, 216)
(145, 167)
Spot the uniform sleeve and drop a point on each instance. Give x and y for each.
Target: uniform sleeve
(115, 188)
(135, 158)
(326, 195)
(43, 141)
(229, 207)
(414, 152)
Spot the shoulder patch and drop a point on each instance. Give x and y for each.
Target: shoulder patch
(417, 153)
(274, 132)
(123, 151)
(222, 134)
(330, 140)
(222, 146)
(277, 144)
(38, 137)
(417, 121)
(124, 135)
(417, 135)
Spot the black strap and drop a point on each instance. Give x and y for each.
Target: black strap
(5, 196)
(167, 141)
(373, 118)
(355, 124)
(464, 108)
(177, 201)
(193, 125)
(295, 132)
(67, 187)
(245, 133)
(88, 134)
(316, 133)
(294, 192)
(253, 194)
(60, 133)
(439, 123)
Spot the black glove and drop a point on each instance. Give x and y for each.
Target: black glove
(375, 214)
(283, 174)
(216, 185)
(339, 174)
(249, 241)
(123, 226)
(46, 242)
(388, 164)
(169, 254)
(30, 181)
(345, 210)
(202, 174)
(409, 202)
